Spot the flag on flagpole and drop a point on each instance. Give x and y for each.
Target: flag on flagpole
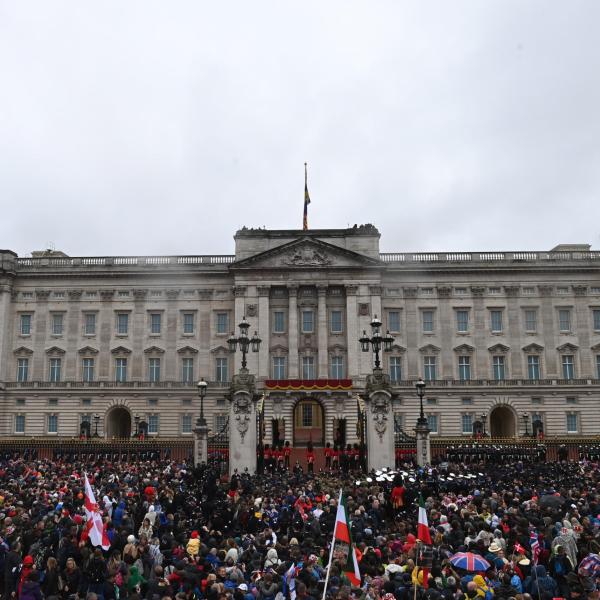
(289, 582)
(306, 200)
(94, 526)
(519, 549)
(423, 535)
(342, 533)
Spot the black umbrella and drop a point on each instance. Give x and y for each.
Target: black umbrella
(551, 501)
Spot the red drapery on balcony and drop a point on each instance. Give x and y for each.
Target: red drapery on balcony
(308, 384)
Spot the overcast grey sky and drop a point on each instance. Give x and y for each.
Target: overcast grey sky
(142, 127)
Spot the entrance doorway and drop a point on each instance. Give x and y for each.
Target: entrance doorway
(309, 419)
(503, 422)
(118, 423)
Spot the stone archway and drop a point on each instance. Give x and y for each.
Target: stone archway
(503, 422)
(118, 423)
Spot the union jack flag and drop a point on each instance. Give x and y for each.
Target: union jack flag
(534, 544)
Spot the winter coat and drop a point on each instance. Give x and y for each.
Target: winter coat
(30, 591)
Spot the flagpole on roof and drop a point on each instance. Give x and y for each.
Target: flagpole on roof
(331, 553)
(306, 199)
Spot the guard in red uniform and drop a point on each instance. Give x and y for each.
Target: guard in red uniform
(287, 452)
(328, 455)
(310, 458)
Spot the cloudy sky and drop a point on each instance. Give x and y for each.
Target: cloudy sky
(142, 127)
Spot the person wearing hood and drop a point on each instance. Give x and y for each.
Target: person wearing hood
(135, 581)
(117, 517)
(26, 568)
(272, 560)
(541, 585)
(559, 567)
(30, 590)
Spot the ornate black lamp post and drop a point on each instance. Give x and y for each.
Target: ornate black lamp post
(96, 421)
(525, 418)
(202, 385)
(377, 341)
(420, 385)
(243, 341)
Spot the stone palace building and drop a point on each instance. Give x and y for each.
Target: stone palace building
(504, 340)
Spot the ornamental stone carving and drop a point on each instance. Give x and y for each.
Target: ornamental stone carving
(380, 408)
(107, 295)
(546, 290)
(263, 290)
(580, 290)
(251, 310)
(477, 291)
(173, 294)
(242, 409)
(75, 295)
(410, 292)
(351, 290)
(239, 291)
(305, 257)
(42, 295)
(512, 291)
(140, 294)
(444, 291)
(205, 294)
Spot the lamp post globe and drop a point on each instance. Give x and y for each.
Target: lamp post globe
(202, 386)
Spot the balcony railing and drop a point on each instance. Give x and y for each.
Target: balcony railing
(439, 383)
(110, 261)
(110, 384)
(486, 257)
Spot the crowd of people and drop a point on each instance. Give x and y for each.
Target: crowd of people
(183, 533)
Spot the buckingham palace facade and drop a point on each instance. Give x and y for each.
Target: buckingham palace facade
(505, 338)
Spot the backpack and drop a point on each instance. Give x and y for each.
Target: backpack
(559, 568)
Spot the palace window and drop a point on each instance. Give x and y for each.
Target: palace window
(52, 423)
(222, 369)
(187, 369)
(462, 321)
(87, 369)
(395, 368)
(467, 423)
(308, 321)
(19, 423)
(568, 367)
(432, 421)
(120, 370)
(336, 321)
(572, 422)
(496, 321)
(25, 324)
(55, 367)
(22, 369)
(533, 367)
(122, 323)
(564, 319)
(154, 370)
(598, 366)
(89, 324)
(427, 320)
(308, 367)
(186, 423)
(222, 322)
(531, 320)
(278, 321)
(596, 319)
(188, 323)
(153, 424)
(499, 368)
(429, 368)
(464, 368)
(155, 323)
(394, 321)
(57, 323)
(279, 371)
(337, 367)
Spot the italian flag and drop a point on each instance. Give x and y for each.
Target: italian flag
(341, 533)
(423, 534)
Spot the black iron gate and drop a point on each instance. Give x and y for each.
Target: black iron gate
(218, 449)
(361, 432)
(260, 436)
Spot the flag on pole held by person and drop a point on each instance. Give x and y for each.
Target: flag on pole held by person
(343, 534)
(94, 526)
(424, 536)
(519, 549)
(534, 544)
(306, 200)
(289, 582)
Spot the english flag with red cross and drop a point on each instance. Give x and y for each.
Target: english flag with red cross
(94, 526)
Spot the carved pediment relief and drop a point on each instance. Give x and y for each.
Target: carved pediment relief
(533, 348)
(567, 347)
(187, 350)
(87, 350)
(279, 348)
(429, 349)
(120, 350)
(498, 349)
(22, 351)
(337, 348)
(154, 350)
(55, 350)
(219, 350)
(464, 349)
(306, 253)
(398, 348)
(595, 348)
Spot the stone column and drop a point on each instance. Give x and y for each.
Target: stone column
(352, 333)
(379, 422)
(580, 325)
(7, 274)
(242, 424)
(293, 332)
(423, 444)
(200, 443)
(414, 366)
(264, 331)
(322, 331)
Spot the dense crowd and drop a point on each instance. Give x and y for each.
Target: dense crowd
(182, 533)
